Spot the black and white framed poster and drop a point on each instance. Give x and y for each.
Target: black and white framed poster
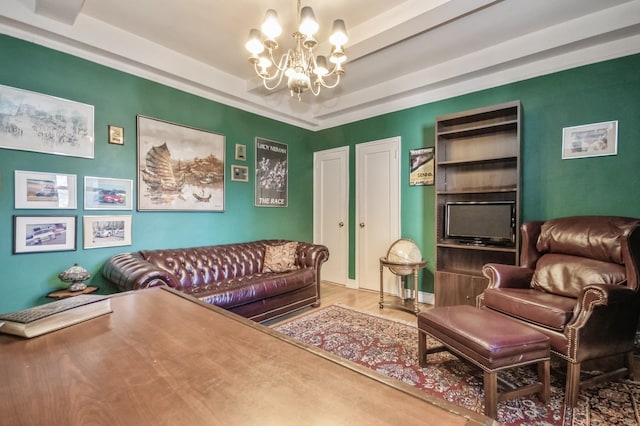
(271, 173)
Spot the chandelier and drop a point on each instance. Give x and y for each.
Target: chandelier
(299, 65)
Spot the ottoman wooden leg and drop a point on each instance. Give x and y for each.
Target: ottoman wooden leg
(491, 394)
(422, 348)
(545, 378)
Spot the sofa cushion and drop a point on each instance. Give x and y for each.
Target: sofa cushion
(242, 290)
(280, 257)
(566, 275)
(533, 306)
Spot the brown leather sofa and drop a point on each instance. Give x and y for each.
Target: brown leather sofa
(577, 283)
(230, 276)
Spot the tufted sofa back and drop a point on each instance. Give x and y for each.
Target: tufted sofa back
(197, 266)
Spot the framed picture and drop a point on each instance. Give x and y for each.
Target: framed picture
(42, 123)
(107, 193)
(179, 168)
(421, 166)
(106, 231)
(241, 152)
(37, 190)
(271, 174)
(36, 234)
(116, 135)
(590, 140)
(239, 173)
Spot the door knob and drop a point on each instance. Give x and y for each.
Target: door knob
(361, 224)
(341, 224)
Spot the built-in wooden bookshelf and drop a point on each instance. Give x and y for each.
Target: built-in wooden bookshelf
(477, 161)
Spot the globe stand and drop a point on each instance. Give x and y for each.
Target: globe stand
(404, 270)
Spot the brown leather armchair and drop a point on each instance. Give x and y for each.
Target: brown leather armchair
(577, 283)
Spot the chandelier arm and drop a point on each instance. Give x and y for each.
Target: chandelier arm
(331, 86)
(318, 86)
(278, 75)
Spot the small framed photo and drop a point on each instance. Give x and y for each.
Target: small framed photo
(241, 152)
(36, 234)
(107, 193)
(590, 140)
(37, 190)
(106, 231)
(239, 173)
(116, 135)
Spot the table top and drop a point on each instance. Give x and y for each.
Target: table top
(164, 358)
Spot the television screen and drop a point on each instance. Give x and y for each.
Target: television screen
(491, 223)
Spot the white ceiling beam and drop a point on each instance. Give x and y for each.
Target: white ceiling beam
(65, 11)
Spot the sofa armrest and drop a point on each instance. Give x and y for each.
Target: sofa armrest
(507, 276)
(311, 255)
(130, 271)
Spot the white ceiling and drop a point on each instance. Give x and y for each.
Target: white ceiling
(401, 53)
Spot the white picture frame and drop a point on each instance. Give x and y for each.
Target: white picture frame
(40, 190)
(37, 234)
(42, 123)
(180, 168)
(590, 140)
(239, 173)
(106, 231)
(102, 193)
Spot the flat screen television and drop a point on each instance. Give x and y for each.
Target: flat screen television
(491, 223)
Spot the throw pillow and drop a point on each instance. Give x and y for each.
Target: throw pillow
(280, 258)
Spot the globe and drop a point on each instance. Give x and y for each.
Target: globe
(406, 251)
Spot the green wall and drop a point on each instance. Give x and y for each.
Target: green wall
(551, 187)
(117, 98)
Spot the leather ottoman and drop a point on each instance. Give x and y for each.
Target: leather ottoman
(490, 341)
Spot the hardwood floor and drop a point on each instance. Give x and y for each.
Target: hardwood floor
(362, 300)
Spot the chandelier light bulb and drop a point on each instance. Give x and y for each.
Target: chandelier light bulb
(271, 26)
(254, 44)
(339, 33)
(321, 66)
(308, 24)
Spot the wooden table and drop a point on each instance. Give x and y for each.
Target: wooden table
(163, 358)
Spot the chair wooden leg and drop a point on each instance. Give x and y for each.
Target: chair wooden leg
(573, 384)
(422, 348)
(491, 394)
(628, 361)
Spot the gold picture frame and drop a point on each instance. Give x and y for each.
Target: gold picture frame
(116, 135)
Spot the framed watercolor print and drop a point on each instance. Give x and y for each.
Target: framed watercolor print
(107, 193)
(106, 231)
(179, 168)
(38, 190)
(590, 140)
(36, 234)
(43, 123)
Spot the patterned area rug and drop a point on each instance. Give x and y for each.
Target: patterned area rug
(390, 348)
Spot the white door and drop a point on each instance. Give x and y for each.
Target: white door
(331, 210)
(377, 210)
